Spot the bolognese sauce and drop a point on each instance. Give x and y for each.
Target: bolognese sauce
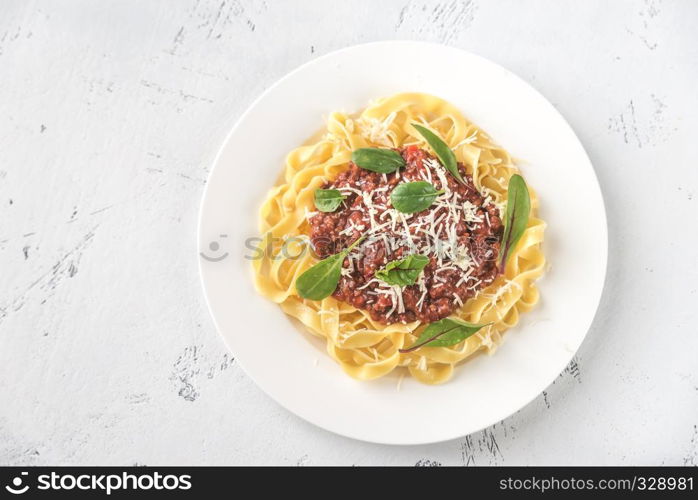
(460, 233)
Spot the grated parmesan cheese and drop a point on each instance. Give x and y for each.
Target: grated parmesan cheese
(377, 131)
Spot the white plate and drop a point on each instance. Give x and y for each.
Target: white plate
(290, 365)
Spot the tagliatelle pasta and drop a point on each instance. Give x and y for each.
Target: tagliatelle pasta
(364, 347)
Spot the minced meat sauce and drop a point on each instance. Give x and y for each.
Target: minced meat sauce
(460, 233)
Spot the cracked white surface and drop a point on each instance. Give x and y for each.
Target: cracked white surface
(110, 115)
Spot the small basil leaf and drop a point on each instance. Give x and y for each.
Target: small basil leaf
(516, 219)
(445, 154)
(328, 200)
(383, 161)
(411, 197)
(444, 333)
(320, 280)
(403, 272)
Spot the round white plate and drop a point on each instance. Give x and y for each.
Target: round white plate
(291, 365)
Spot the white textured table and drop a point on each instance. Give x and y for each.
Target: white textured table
(110, 113)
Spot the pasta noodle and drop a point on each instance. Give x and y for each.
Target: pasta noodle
(364, 348)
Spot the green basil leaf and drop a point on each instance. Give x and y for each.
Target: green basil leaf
(328, 200)
(444, 333)
(321, 280)
(383, 161)
(403, 272)
(411, 197)
(445, 154)
(516, 219)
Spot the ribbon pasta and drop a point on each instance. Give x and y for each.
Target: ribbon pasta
(364, 348)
